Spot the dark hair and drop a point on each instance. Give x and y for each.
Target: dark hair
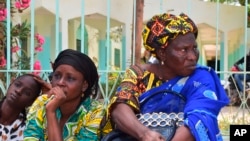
(83, 64)
(39, 86)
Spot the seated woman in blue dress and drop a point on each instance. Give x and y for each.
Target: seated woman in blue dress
(172, 40)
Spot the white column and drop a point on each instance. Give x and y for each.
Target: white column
(65, 34)
(72, 33)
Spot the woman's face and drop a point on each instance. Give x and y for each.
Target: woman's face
(70, 80)
(182, 54)
(22, 92)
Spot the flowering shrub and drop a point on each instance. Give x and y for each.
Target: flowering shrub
(40, 41)
(3, 13)
(20, 32)
(22, 57)
(22, 4)
(2, 62)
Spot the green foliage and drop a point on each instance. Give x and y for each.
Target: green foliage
(19, 33)
(221, 1)
(242, 2)
(23, 61)
(114, 80)
(21, 30)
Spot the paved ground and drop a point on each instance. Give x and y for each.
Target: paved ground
(234, 115)
(232, 110)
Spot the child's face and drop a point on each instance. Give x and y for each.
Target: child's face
(22, 92)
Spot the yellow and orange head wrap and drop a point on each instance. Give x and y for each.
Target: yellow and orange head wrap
(160, 29)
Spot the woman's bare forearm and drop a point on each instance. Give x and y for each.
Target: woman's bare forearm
(125, 120)
(54, 132)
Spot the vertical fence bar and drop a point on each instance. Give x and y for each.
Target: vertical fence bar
(108, 35)
(107, 51)
(245, 29)
(189, 7)
(57, 28)
(245, 59)
(82, 26)
(134, 22)
(32, 33)
(217, 32)
(161, 6)
(8, 43)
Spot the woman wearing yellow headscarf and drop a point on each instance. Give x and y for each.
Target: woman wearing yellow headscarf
(177, 84)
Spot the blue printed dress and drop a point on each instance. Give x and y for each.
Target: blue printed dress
(202, 90)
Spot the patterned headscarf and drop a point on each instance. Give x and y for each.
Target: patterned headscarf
(160, 29)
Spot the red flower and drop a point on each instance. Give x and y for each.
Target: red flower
(37, 66)
(17, 4)
(22, 4)
(2, 62)
(40, 39)
(26, 1)
(25, 5)
(38, 48)
(15, 49)
(3, 14)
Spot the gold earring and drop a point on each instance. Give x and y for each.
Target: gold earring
(162, 62)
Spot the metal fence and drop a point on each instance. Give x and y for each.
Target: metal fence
(57, 22)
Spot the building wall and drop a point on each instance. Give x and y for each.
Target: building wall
(216, 16)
